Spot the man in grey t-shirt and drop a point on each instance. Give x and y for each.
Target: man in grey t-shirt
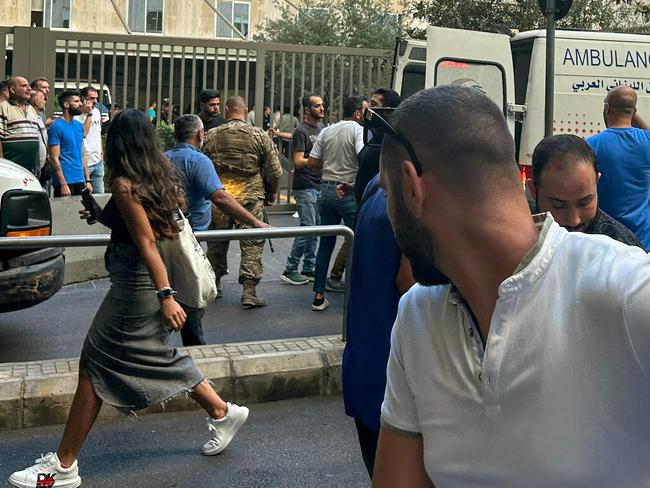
(336, 151)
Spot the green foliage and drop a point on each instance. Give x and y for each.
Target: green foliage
(345, 23)
(522, 15)
(166, 133)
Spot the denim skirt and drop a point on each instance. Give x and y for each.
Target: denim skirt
(126, 353)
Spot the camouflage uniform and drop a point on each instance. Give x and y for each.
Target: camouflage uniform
(239, 153)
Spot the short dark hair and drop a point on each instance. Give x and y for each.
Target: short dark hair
(66, 95)
(208, 94)
(186, 126)
(4, 85)
(351, 105)
(36, 83)
(390, 98)
(306, 99)
(460, 135)
(565, 149)
(83, 93)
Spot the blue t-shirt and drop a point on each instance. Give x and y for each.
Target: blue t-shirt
(372, 309)
(623, 157)
(69, 136)
(200, 180)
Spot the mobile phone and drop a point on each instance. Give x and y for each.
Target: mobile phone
(89, 203)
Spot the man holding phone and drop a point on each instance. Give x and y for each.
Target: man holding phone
(65, 139)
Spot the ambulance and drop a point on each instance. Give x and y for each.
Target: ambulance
(511, 71)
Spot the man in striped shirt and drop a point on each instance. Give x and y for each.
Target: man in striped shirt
(19, 132)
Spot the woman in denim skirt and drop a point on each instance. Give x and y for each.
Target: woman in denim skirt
(126, 359)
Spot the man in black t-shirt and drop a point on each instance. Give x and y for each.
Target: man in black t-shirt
(210, 109)
(306, 191)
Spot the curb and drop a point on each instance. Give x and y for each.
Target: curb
(39, 393)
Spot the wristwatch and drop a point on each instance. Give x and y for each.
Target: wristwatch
(165, 292)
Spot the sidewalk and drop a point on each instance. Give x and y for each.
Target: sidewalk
(40, 392)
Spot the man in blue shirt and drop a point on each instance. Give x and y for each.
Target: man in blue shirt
(65, 139)
(623, 155)
(202, 186)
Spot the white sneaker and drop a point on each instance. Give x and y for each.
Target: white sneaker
(47, 472)
(224, 429)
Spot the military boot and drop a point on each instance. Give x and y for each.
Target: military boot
(249, 298)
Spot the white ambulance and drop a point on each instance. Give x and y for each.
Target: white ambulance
(511, 71)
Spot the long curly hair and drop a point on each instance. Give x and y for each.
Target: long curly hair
(133, 152)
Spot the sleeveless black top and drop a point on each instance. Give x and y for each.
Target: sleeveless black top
(112, 218)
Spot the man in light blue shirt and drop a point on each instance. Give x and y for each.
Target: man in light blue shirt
(623, 156)
(202, 186)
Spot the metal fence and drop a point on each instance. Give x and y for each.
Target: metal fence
(135, 70)
(209, 235)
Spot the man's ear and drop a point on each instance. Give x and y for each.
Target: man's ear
(413, 189)
(530, 184)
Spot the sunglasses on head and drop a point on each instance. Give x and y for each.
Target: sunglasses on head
(376, 126)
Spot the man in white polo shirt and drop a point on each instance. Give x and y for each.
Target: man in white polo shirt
(533, 368)
(91, 118)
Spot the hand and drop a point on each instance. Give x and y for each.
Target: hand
(272, 198)
(173, 314)
(262, 225)
(89, 185)
(273, 132)
(65, 190)
(343, 189)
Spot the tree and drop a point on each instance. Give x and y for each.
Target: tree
(485, 15)
(345, 23)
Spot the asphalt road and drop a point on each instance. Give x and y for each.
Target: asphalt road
(305, 443)
(56, 328)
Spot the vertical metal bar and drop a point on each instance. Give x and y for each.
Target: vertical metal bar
(136, 103)
(3, 49)
(204, 83)
(216, 68)
(272, 94)
(302, 75)
(282, 69)
(193, 85)
(148, 88)
(292, 100)
(313, 72)
(182, 94)
(101, 74)
(550, 68)
(114, 72)
(360, 90)
(160, 81)
(77, 77)
(237, 72)
(66, 62)
(125, 75)
(341, 76)
(330, 100)
(90, 63)
(171, 83)
(380, 78)
(260, 70)
(370, 87)
(247, 81)
(226, 75)
(322, 73)
(351, 76)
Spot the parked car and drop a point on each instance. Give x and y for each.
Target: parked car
(27, 276)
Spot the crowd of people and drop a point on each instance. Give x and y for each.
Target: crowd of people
(531, 350)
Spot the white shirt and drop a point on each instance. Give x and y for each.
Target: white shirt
(93, 141)
(561, 395)
(338, 146)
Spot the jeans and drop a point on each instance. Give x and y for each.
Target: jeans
(332, 209)
(96, 174)
(305, 247)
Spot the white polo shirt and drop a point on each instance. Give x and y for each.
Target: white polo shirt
(560, 397)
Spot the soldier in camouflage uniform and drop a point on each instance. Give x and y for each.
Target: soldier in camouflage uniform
(244, 156)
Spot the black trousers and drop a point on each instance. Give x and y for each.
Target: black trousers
(192, 331)
(75, 189)
(368, 440)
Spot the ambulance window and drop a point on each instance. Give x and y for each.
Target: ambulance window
(412, 79)
(488, 78)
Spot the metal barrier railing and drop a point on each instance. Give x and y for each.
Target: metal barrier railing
(87, 240)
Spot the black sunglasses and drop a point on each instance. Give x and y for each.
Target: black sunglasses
(375, 123)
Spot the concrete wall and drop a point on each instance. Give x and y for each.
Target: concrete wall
(81, 263)
(15, 12)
